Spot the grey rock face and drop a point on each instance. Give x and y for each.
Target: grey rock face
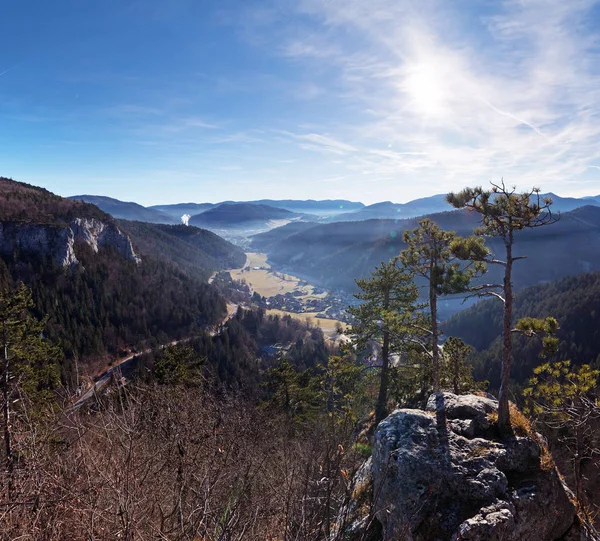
(435, 479)
(98, 234)
(58, 241)
(53, 240)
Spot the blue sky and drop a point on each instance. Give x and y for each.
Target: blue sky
(201, 100)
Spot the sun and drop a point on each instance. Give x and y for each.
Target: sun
(425, 89)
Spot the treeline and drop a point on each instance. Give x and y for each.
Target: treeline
(26, 203)
(107, 303)
(574, 302)
(197, 252)
(239, 354)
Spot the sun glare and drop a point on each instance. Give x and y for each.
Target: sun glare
(424, 88)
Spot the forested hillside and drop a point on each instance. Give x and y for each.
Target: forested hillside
(196, 251)
(105, 302)
(574, 301)
(23, 202)
(232, 214)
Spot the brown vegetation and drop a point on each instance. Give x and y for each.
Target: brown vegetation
(179, 464)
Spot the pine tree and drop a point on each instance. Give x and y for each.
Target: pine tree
(457, 370)
(388, 295)
(566, 400)
(504, 212)
(29, 372)
(429, 255)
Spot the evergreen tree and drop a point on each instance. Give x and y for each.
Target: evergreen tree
(29, 371)
(566, 400)
(297, 394)
(389, 296)
(504, 212)
(456, 369)
(429, 255)
(179, 364)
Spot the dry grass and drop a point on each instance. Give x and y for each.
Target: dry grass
(522, 426)
(478, 451)
(268, 284)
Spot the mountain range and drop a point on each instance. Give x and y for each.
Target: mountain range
(335, 254)
(127, 209)
(240, 214)
(322, 211)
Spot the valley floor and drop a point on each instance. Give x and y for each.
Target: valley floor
(287, 294)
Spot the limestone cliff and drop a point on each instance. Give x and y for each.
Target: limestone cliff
(58, 240)
(443, 475)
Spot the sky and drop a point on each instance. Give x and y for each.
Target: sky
(209, 100)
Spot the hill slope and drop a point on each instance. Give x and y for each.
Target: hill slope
(127, 210)
(103, 297)
(195, 251)
(574, 301)
(239, 214)
(335, 254)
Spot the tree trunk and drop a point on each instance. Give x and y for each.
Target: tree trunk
(455, 376)
(435, 357)
(503, 409)
(6, 411)
(577, 468)
(381, 407)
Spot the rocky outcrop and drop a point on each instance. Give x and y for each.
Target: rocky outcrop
(441, 474)
(58, 241)
(99, 234)
(54, 240)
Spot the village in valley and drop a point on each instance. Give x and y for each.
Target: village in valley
(257, 283)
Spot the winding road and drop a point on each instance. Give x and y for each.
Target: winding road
(106, 376)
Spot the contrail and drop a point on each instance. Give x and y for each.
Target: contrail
(514, 117)
(7, 70)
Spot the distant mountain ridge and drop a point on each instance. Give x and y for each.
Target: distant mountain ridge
(326, 210)
(126, 210)
(179, 209)
(233, 214)
(437, 203)
(335, 254)
(389, 210)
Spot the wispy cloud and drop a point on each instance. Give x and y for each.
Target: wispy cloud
(448, 96)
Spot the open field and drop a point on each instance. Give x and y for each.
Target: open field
(258, 275)
(269, 283)
(328, 326)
